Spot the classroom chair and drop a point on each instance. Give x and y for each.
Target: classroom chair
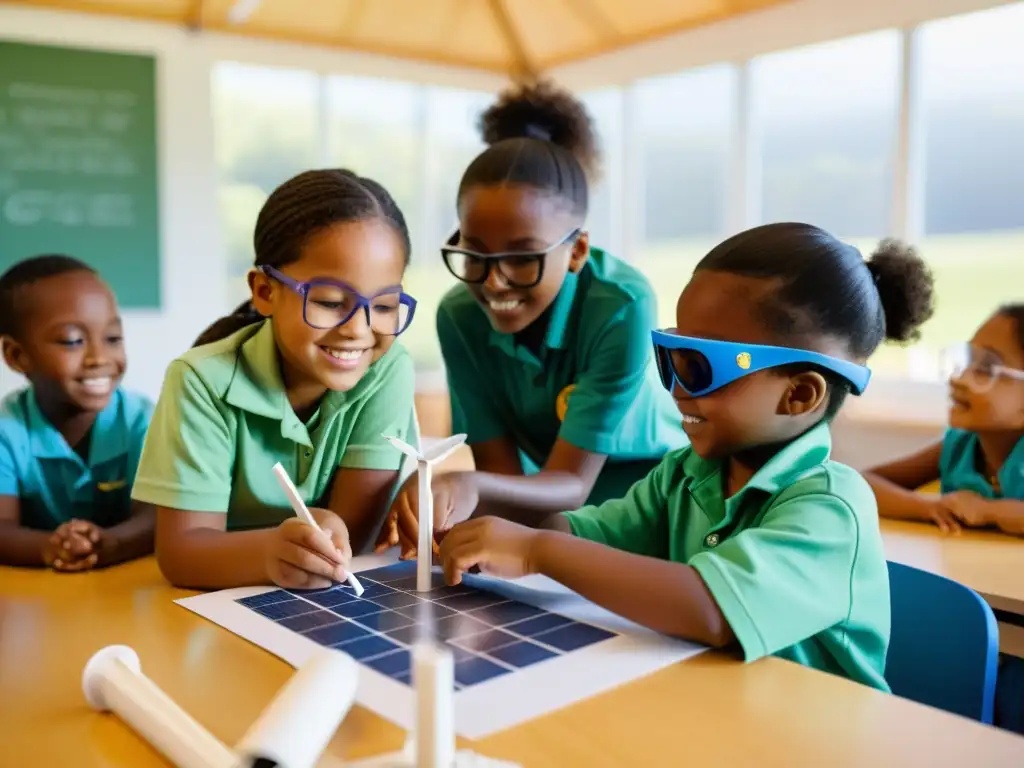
(944, 644)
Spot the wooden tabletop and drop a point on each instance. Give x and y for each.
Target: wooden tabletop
(989, 562)
(708, 710)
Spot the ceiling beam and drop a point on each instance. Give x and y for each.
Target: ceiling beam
(595, 18)
(522, 69)
(194, 16)
(241, 10)
(353, 18)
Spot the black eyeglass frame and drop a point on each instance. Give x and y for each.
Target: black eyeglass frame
(449, 249)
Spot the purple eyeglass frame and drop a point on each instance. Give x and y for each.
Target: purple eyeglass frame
(362, 302)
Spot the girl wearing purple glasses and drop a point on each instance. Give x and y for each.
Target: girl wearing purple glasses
(306, 373)
(752, 536)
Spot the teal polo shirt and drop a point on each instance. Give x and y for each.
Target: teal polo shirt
(53, 483)
(593, 383)
(959, 462)
(223, 421)
(794, 559)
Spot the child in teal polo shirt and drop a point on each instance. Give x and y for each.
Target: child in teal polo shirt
(979, 463)
(306, 374)
(980, 459)
(752, 535)
(546, 340)
(70, 441)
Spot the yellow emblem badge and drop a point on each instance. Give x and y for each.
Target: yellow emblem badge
(743, 360)
(562, 402)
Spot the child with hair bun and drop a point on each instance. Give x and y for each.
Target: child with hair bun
(752, 534)
(546, 340)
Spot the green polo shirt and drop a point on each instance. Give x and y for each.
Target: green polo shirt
(223, 420)
(52, 481)
(794, 560)
(595, 364)
(958, 468)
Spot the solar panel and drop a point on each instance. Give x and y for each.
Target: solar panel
(488, 634)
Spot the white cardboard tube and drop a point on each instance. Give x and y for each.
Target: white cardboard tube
(298, 724)
(425, 548)
(113, 681)
(433, 675)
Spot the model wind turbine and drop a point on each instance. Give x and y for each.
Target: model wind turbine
(425, 460)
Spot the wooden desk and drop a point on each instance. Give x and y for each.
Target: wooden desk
(709, 710)
(988, 562)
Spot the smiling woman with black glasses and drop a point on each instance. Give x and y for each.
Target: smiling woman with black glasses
(546, 340)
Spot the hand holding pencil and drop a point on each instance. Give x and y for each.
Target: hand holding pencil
(311, 534)
(300, 556)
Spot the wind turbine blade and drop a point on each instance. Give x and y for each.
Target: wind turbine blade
(403, 446)
(442, 449)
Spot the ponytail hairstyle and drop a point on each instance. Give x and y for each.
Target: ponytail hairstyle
(300, 208)
(537, 136)
(827, 290)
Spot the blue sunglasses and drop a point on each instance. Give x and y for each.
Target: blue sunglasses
(700, 366)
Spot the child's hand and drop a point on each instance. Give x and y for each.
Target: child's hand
(967, 507)
(301, 557)
(497, 546)
(939, 514)
(401, 527)
(74, 546)
(455, 500)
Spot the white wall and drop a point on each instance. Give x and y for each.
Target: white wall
(193, 265)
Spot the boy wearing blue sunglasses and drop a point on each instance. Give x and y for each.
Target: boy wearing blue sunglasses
(305, 374)
(752, 535)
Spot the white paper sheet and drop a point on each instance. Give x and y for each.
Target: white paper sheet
(496, 704)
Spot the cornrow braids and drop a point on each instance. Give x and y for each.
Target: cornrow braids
(297, 210)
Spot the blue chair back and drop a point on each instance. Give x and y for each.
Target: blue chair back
(944, 644)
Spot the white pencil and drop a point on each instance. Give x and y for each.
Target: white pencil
(304, 515)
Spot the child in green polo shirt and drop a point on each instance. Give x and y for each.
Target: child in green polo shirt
(546, 340)
(980, 459)
(306, 374)
(70, 441)
(752, 535)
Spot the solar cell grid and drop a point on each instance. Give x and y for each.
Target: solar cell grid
(488, 634)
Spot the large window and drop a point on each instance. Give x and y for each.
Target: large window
(807, 134)
(825, 118)
(266, 131)
(826, 122)
(375, 129)
(972, 91)
(453, 140)
(604, 220)
(685, 125)
(415, 140)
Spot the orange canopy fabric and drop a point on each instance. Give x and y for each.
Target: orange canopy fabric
(514, 37)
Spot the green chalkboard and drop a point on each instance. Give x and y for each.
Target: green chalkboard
(78, 163)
